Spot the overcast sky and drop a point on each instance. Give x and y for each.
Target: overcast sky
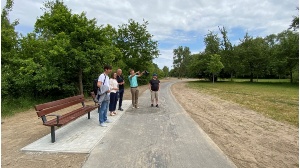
(175, 23)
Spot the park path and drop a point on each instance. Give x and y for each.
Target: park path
(157, 137)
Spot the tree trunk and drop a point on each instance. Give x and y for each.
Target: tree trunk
(213, 78)
(291, 75)
(251, 77)
(231, 76)
(80, 81)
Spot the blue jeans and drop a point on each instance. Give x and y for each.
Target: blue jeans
(103, 112)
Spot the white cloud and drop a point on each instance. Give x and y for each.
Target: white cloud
(170, 21)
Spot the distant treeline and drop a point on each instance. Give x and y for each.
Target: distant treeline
(275, 56)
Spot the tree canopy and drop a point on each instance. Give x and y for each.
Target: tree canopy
(274, 56)
(66, 51)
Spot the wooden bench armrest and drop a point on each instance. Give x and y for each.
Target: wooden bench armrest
(57, 117)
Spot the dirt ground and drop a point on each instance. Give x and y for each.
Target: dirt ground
(247, 138)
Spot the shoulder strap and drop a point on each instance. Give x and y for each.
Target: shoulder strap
(104, 79)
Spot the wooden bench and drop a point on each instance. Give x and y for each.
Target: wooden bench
(47, 109)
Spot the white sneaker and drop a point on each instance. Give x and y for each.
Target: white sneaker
(137, 107)
(103, 125)
(133, 107)
(107, 121)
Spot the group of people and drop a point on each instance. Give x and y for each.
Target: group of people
(113, 88)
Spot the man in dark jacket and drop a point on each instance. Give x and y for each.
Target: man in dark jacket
(121, 83)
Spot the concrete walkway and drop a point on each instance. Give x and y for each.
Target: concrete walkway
(146, 137)
(79, 136)
(157, 137)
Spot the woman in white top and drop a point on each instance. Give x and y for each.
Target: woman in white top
(113, 83)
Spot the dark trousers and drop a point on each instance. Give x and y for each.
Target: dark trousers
(113, 101)
(121, 93)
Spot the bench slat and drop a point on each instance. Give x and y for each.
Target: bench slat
(66, 118)
(56, 108)
(63, 118)
(57, 102)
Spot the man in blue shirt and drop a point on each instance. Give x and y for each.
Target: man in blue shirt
(134, 87)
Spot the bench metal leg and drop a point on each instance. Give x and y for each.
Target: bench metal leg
(89, 115)
(52, 134)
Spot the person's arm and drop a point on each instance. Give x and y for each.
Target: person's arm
(131, 76)
(99, 81)
(99, 84)
(140, 74)
(116, 83)
(121, 81)
(150, 86)
(111, 85)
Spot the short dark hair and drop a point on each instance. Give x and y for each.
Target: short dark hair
(106, 67)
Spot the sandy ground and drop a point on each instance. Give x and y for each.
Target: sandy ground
(248, 138)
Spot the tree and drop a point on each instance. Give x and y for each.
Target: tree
(75, 43)
(228, 56)
(288, 50)
(215, 65)
(166, 71)
(295, 22)
(253, 56)
(212, 42)
(180, 59)
(136, 45)
(276, 63)
(9, 48)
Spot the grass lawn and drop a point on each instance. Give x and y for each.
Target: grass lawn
(276, 99)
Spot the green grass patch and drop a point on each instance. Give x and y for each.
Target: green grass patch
(276, 99)
(11, 106)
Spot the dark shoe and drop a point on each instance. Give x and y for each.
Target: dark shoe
(151, 105)
(120, 109)
(157, 105)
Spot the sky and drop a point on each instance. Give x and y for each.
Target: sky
(175, 23)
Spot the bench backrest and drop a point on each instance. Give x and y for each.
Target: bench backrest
(46, 108)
